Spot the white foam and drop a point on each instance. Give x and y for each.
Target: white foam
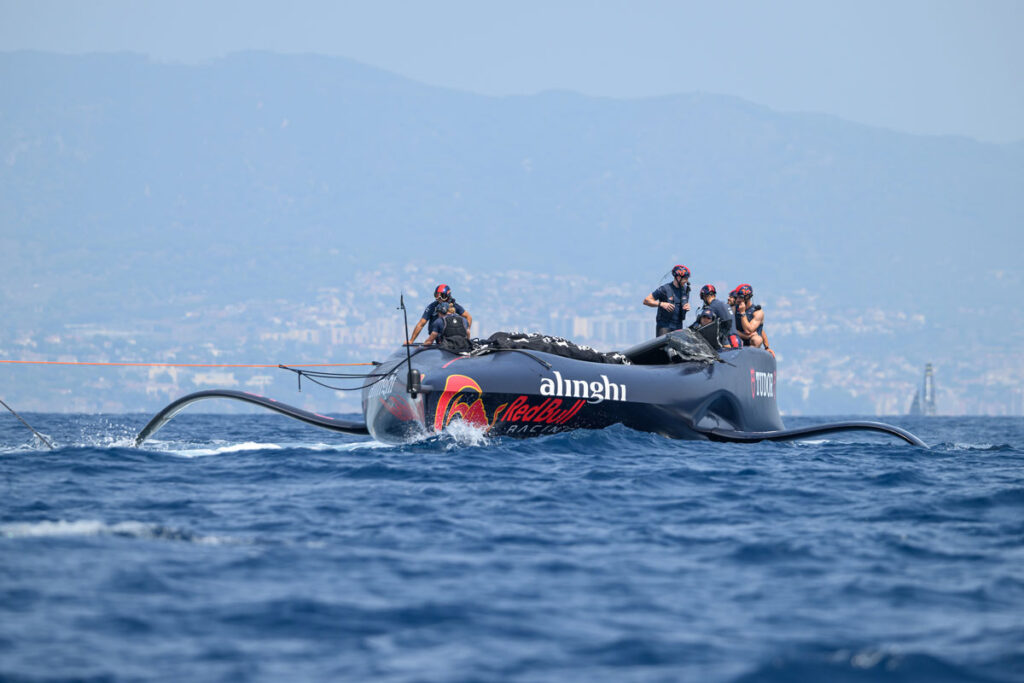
(363, 445)
(219, 450)
(94, 527)
(60, 528)
(465, 434)
(249, 446)
(174, 449)
(958, 446)
(33, 447)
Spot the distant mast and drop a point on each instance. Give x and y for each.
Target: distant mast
(927, 391)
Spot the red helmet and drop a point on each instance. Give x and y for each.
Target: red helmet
(708, 289)
(442, 292)
(744, 291)
(681, 271)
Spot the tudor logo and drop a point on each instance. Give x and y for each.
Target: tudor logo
(762, 384)
(593, 391)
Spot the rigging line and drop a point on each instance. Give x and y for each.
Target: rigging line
(41, 437)
(379, 377)
(312, 376)
(335, 375)
(177, 365)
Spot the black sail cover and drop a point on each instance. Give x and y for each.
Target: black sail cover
(504, 341)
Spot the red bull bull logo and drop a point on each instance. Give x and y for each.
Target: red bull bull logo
(463, 398)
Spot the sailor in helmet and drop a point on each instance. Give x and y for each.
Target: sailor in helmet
(723, 311)
(750, 319)
(441, 293)
(705, 317)
(449, 330)
(672, 300)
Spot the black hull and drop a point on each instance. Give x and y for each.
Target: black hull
(532, 394)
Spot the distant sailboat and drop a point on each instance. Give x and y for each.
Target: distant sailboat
(925, 406)
(915, 406)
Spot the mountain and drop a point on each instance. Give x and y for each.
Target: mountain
(126, 183)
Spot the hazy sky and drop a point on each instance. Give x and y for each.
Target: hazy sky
(935, 67)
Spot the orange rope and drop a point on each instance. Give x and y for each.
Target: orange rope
(175, 365)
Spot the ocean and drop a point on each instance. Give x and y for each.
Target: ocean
(255, 548)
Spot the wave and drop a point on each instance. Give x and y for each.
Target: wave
(93, 527)
(862, 666)
(960, 446)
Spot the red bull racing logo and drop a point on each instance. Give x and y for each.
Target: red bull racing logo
(463, 398)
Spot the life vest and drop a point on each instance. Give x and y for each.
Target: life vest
(454, 336)
(677, 296)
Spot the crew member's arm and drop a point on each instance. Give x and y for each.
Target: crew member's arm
(465, 314)
(654, 303)
(759, 320)
(416, 330)
(436, 328)
(742, 322)
(750, 327)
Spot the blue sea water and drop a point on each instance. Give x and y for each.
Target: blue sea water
(252, 547)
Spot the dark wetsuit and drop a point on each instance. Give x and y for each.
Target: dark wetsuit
(727, 326)
(430, 312)
(677, 296)
(452, 334)
(750, 319)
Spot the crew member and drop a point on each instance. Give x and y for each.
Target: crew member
(449, 330)
(734, 333)
(750, 319)
(441, 293)
(672, 300)
(705, 317)
(727, 327)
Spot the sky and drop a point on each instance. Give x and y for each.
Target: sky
(935, 67)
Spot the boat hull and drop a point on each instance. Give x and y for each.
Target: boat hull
(536, 393)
